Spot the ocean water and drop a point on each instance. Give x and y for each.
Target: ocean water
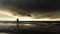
(9, 27)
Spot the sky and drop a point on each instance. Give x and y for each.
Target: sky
(31, 9)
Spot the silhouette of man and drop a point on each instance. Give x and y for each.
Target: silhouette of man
(17, 25)
(17, 22)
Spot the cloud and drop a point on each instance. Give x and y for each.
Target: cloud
(5, 15)
(36, 8)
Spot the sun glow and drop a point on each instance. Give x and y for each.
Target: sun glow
(41, 19)
(6, 15)
(6, 12)
(28, 25)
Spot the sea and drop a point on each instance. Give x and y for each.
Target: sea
(14, 27)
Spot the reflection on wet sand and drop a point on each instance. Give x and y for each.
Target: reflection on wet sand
(29, 26)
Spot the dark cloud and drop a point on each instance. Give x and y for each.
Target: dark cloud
(39, 8)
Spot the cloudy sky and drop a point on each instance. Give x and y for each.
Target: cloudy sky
(30, 9)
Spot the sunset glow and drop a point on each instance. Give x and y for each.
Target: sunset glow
(5, 15)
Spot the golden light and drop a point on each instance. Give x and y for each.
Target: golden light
(28, 25)
(25, 25)
(41, 19)
(6, 15)
(6, 12)
(11, 17)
